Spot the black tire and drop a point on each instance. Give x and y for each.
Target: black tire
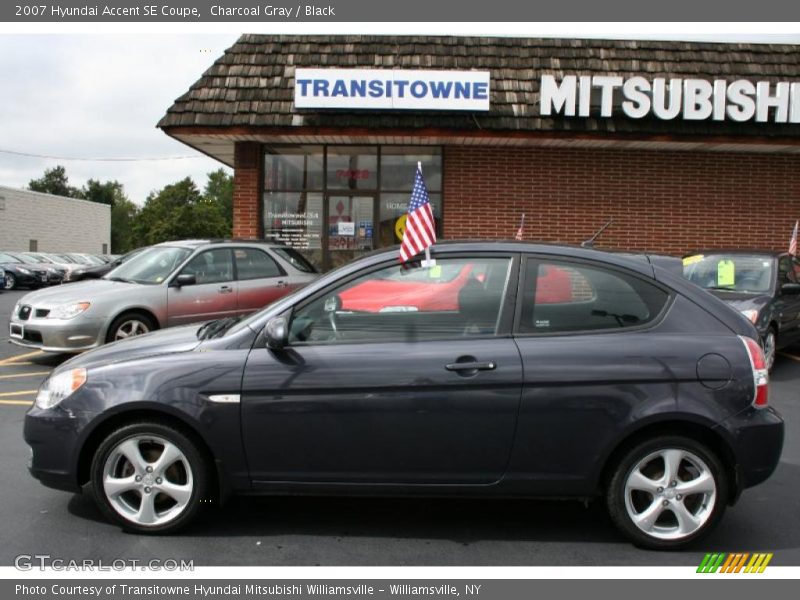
(11, 282)
(126, 318)
(709, 508)
(148, 435)
(772, 331)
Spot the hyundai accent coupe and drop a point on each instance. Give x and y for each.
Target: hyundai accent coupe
(636, 387)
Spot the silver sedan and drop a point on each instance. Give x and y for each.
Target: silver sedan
(169, 284)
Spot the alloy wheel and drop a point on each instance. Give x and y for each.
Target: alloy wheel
(670, 494)
(130, 328)
(10, 282)
(770, 345)
(148, 480)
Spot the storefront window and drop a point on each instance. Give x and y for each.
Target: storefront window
(293, 168)
(352, 167)
(399, 163)
(334, 203)
(295, 219)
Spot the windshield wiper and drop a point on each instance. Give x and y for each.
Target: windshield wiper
(725, 288)
(216, 328)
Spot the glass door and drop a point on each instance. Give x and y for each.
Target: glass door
(351, 227)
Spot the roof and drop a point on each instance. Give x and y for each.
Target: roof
(251, 85)
(742, 251)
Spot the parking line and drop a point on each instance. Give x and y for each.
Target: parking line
(16, 375)
(791, 356)
(25, 393)
(13, 359)
(16, 364)
(16, 402)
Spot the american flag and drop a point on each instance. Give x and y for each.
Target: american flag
(420, 230)
(793, 241)
(521, 227)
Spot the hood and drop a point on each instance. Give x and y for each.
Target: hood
(163, 341)
(81, 291)
(12, 267)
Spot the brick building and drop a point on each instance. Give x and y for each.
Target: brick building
(683, 144)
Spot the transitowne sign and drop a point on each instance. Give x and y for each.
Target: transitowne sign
(570, 96)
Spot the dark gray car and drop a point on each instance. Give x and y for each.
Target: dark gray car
(764, 286)
(549, 372)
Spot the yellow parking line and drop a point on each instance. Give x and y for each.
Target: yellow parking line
(16, 402)
(791, 356)
(34, 374)
(25, 393)
(15, 364)
(14, 359)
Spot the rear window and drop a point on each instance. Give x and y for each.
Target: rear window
(294, 258)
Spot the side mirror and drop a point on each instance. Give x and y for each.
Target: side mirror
(277, 333)
(184, 279)
(790, 289)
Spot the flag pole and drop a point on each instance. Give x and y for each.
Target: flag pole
(428, 262)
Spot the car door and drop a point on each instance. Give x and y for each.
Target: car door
(393, 395)
(260, 280)
(590, 364)
(787, 304)
(212, 296)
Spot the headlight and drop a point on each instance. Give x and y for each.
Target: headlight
(68, 311)
(24, 271)
(59, 387)
(751, 315)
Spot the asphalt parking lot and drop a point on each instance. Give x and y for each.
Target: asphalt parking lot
(341, 531)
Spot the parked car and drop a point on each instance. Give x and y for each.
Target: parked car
(2, 279)
(98, 271)
(20, 274)
(169, 284)
(640, 389)
(764, 286)
(55, 273)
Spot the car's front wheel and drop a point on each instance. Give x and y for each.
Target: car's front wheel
(667, 492)
(129, 325)
(149, 477)
(11, 282)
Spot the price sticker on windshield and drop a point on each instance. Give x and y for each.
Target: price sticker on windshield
(726, 273)
(690, 260)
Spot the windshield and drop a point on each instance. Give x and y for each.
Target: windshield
(151, 266)
(730, 272)
(8, 258)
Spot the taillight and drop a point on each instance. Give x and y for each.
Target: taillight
(758, 363)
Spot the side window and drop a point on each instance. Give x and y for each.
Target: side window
(211, 266)
(786, 272)
(252, 263)
(566, 297)
(459, 297)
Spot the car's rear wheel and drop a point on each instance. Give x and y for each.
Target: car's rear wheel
(11, 282)
(129, 325)
(770, 347)
(149, 477)
(667, 492)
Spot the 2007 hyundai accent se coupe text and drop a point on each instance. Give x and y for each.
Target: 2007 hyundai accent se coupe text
(632, 385)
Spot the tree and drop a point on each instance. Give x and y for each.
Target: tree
(109, 192)
(219, 191)
(178, 211)
(123, 217)
(55, 182)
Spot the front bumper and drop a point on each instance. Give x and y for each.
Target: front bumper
(37, 279)
(57, 335)
(54, 439)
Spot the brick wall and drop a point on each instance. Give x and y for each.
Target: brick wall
(669, 202)
(248, 167)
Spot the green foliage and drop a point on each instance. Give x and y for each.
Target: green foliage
(219, 190)
(179, 211)
(55, 181)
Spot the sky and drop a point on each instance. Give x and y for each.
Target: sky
(80, 95)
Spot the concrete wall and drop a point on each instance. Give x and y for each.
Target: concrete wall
(58, 224)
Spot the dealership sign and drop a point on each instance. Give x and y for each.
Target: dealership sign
(687, 99)
(391, 89)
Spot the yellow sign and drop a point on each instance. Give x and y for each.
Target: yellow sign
(400, 227)
(435, 272)
(690, 260)
(726, 274)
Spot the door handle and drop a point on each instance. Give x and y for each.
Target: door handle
(281, 284)
(225, 289)
(471, 366)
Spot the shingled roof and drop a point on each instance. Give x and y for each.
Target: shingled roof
(252, 84)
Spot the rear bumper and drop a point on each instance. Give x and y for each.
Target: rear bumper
(756, 437)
